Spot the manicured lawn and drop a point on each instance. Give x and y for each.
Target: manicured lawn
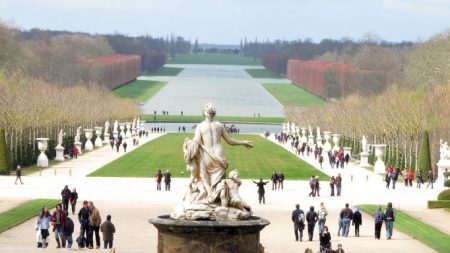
(218, 59)
(165, 71)
(24, 212)
(166, 153)
(425, 233)
(199, 118)
(292, 95)
(139, 90)
(262, 73)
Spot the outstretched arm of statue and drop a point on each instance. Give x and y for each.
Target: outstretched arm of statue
(231, 141)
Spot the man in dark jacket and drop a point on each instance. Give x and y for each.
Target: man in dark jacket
(167, 180)
(298, 217)
(261, 191)
(108, 230)
(65, 196)
(83, 218)
(68, 231)
(338, 183)
(274, 180)
(311, 219)
(357, 221)
(59, 224)
(389, 217)
(346, 216)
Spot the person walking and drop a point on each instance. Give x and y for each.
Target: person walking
(312, 185)
(323, 212)
(75, 152)
(167, 180)
(124, 145)
(59, 224)
(410, 176)
(430, 179)
(317, 186)
(274, 180)
(68, 231)
(311, 219)
(332, 183)
(346, 215)
(321, 162)
(281, 181)
(65, 196)
(73, 199)
(389, 217)
(94, 226)
(419, 178)
(158, 179)
(18, 174)
(378, 222)
(357, 221)
(338, 183)
(42, 225)
(83, 218)
(325, 240)
(108, 230)
(298, 217)
(261, 191)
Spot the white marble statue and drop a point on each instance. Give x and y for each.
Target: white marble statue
(60, 137)
(364, 143)
(116, 126)
(78, 135)
(444, 151)
(106, 127)
(209, 195)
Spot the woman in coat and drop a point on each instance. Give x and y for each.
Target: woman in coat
(357, 221)
(42, 225)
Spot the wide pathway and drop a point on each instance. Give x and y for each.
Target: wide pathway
(229, 87)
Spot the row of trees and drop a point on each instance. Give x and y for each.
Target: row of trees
(31, 108)
(398, 117)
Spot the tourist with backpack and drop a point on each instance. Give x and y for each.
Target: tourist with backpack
(298, 217)
(378, 222)
(323, 212)
(83, 218)
(389, 217)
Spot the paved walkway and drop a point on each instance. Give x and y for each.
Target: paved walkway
(132, 201)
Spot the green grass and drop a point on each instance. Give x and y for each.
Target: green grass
(292, 95)
(218, 59)
(24, 212)
(139, 90)
(423, 232)
(262, 73)
(165, 71)
(196, 119)
(166, 153)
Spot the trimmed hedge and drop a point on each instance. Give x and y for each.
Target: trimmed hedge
(438, 204)
(447, 183)
(4, 168)
(444, 195)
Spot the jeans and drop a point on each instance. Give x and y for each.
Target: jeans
(69, 240)
(345, 226)
(261, 197)
(338, 190)
(296, 230)
(340, 227)
(158, 186)
(107, 243)
(84, 232)
(65, 205)
(321, 224)
(389, 227)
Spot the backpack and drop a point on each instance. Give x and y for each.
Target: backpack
(378, 218)
(81, 241)
(301, 217)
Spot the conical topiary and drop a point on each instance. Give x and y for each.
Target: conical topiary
(4, 168)
(424, 154)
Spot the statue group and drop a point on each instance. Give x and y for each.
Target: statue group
(210, 194)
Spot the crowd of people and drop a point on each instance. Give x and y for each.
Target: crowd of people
(347, 217)
(62, 226)
(408, 175)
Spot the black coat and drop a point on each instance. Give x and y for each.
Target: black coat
(357, 218)
(311, 217)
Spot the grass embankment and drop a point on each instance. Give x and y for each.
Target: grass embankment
(165, 71)
(197, 119)
(262, 73)
(292, 95)
(217, 59)
(139, 90)
(24, 212)
(166, 153)
(423, 232)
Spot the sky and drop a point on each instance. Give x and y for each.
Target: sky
(229, 21)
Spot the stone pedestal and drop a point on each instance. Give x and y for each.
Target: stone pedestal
(184, 236)
(442, 165)
(98, 140)
(304, 138)
(379, 166)
(336, 138)
(364, 162)
(116, 134)
(106, 138)
(42, 160)
(128, 132)
(88, 145)
(122, 132)
(59, 153)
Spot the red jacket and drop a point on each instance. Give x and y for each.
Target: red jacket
(75, 150)
(411, 174)
(62, 220)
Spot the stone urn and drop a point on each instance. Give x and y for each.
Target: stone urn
(42, 160)
(379, 166)
(88, 145)
(98, 140)
(336, 138)
(327, 145)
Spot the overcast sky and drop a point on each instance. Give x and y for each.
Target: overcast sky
(227, 21)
